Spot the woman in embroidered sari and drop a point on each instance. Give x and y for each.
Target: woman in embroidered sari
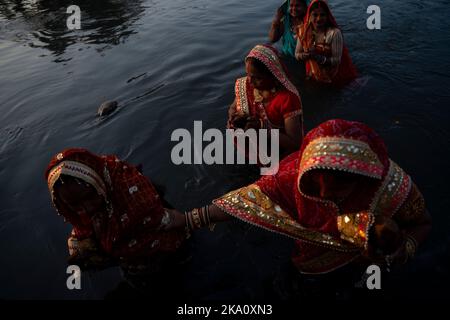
(267, 99)
(340, 197)
(116, 213)
(320, 44)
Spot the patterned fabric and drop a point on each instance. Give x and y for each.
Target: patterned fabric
(336, 234)
(412, 209)
(76, 170)
(340, 153)
(341, 70)
(254, 206)
(134, 212)
(270, 58)
(284, 104)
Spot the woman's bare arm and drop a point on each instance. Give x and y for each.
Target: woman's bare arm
(291, 139)
(277, 27)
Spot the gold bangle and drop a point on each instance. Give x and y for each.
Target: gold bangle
(196, 218)
(411, 246)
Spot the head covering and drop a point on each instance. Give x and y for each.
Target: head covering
(133, 213)
(76, 170)
(324, 5)
(279, 204)
(346, 146)
(335, 145)
(269, 56)
(346, 71)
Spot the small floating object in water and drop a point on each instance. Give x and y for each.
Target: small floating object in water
(107, 108)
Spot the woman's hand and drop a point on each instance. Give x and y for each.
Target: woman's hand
(386, 235)
(252, 123)
(177, 220)
(232, 112)
(235, 121)
(91, 260)
(245, 122)
(387, 243)
(399, 257)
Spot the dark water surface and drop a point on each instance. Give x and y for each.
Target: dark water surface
(169, 63)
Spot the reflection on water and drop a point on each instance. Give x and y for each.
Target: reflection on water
(169, 63)
(42, 23)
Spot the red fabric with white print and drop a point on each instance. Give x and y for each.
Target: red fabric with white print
(130, 229)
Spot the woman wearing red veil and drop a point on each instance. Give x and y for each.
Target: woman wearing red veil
(340, 197)
(117, 215)
(267, 99)
(321, 45)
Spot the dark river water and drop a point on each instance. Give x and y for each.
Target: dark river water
(170, 62)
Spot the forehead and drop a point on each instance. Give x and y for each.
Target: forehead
(68, 186)
(326, 173)
(250, 67)
(318, 10)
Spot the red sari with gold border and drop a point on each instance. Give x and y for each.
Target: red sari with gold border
(284, 104)
(327, 236)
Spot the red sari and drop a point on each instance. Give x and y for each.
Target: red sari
(285, 103)
(327, 236)
(339, 75)
(129, 228)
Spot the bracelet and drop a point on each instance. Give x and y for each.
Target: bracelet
(188, 225)
(411, 246)
(197, 218)
(264, 124)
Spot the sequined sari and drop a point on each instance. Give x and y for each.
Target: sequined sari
(328, 236)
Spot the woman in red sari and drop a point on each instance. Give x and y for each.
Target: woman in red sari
(116, 213)
(267, 99)
(321, 45)
(340, 197)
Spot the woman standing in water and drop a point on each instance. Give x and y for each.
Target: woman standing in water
(340, 197)
(285, 24)
(267, 99)
(320, 44)
(116, 214)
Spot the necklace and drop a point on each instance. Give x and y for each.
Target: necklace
(261, 97)
(316, 35)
